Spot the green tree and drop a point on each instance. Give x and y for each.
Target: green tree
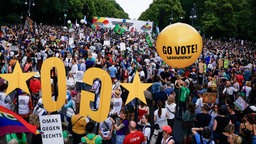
(52, 12)
(219, 18)
(161, 12)
(223, 18)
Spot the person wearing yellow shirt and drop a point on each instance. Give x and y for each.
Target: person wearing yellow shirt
(78, 127)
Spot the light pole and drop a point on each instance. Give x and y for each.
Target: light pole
(193, 14)
(171, 17)
(181, 18)
(65, 15)
(29, 3)
(65, 11)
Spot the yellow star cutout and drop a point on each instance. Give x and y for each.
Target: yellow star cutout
(17, 79)
(136, 89)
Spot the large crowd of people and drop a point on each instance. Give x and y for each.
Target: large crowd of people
(226, 68)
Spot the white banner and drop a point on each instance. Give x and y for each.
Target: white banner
(129, 25)
(51, 129)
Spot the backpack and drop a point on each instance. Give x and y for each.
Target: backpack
(149, 126)
(170, 138)
(90, 141)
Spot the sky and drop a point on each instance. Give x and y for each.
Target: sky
(134, 7)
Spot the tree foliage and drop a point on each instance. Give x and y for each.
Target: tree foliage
(217, 18)
(163, 12)
(52, 11)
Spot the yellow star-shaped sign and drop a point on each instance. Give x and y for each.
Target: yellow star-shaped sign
(136, 89)
(17, 79)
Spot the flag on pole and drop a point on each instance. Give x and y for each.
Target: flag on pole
(148, 40)
(118, 29)
(10, 122)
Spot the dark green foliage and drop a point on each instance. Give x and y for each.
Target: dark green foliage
(160, 11)
(52, 11)
(217, 18)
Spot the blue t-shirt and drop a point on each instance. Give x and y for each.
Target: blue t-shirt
(204, 141)
(112, 71)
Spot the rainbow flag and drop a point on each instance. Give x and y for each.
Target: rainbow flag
(10, 122)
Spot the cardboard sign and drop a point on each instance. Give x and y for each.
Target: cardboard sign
(226, 62)
(220, 63)
(201, 67)
(106, 43)
(52, 129)
(209, 97)
(241, 104)
(122, 46)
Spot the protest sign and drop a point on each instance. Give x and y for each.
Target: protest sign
(51, 129)
(122, 46)
(220, 63)
(226, 62)
(209, 97)
(241, 104)
(106, 43)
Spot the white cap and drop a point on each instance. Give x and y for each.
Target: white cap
(11, 53)
(37, 75)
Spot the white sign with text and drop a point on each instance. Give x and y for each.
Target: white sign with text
(51, 129)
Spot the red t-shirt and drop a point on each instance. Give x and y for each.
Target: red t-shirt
(35, 85)
(134, 138)
(240, 79)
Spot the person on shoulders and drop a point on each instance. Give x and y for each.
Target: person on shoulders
(91, 137)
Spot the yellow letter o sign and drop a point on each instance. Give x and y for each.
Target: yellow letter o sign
(179, 45)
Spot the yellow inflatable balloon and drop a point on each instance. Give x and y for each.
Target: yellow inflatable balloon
(179, 45)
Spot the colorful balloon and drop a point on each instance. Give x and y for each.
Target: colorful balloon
(179, 45)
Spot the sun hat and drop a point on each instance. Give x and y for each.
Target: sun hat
(37, 75)
(117, 93)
